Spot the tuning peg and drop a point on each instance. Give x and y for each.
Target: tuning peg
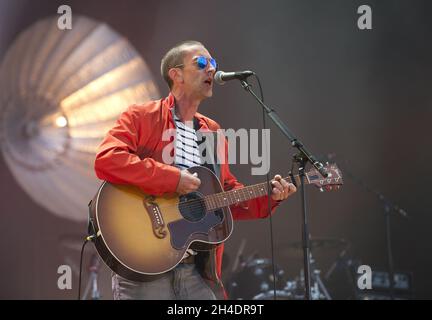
(321, 189)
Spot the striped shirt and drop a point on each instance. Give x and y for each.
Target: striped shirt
(186, 152)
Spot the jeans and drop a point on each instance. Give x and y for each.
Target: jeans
(182, 283)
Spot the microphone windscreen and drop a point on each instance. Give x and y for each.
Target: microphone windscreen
(218, 77)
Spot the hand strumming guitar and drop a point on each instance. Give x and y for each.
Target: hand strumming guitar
(188, 182)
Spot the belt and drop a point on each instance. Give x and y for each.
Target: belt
(188, 260)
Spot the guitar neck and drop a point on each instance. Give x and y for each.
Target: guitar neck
(227, 198)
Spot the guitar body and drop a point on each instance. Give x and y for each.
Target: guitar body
(140, 236)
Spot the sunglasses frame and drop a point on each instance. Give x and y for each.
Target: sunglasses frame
(199, 61)
(202, 65)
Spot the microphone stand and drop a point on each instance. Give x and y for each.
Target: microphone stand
(301, 159)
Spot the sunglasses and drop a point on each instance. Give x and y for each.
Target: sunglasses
(202, 63)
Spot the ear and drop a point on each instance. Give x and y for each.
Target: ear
(176, 75)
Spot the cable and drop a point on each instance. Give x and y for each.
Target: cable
(269, 188)
(87, 239)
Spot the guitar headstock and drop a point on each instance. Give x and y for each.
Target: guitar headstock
(333, 180)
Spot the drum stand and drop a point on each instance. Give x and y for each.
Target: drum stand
(318, 289)
(93, 280)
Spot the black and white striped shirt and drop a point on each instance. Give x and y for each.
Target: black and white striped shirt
(186, 152)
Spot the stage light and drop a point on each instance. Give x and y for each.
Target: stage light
(60, 92)
(61, 122)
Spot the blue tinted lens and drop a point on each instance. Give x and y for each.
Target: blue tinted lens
(213, 63)
(202, 62)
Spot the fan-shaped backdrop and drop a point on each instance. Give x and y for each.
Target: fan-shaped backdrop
(60, 91)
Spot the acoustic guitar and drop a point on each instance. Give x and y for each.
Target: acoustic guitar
(140, 236)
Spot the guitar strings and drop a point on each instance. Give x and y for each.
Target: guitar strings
(197, 202)
(201, 202)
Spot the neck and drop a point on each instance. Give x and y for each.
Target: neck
(226, 198)
(186, 105)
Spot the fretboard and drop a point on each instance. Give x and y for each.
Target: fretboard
(227, 198)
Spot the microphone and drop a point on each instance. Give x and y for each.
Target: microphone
(221, 77)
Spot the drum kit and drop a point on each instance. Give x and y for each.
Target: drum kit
(255, 278)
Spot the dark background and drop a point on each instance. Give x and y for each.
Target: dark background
(363, 95)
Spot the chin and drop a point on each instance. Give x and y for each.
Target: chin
(206, 93)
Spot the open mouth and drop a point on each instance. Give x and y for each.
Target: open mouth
(208, 81)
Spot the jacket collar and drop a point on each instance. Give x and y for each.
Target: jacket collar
(199, 119)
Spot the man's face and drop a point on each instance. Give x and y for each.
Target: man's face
(197, 82)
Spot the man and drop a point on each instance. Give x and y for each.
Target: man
(133, 153)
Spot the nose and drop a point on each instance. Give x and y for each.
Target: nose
(210, 69)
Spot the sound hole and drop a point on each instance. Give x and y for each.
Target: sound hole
(192, 206)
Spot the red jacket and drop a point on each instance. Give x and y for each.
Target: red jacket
(131, 153)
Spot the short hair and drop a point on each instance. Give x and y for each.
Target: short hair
(174, 57)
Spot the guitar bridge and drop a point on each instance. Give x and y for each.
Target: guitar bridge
(156, 218)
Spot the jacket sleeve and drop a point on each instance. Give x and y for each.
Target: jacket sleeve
(117, 160)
